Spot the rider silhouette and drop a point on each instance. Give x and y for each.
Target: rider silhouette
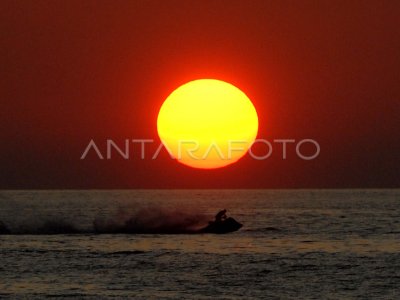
(220, 216)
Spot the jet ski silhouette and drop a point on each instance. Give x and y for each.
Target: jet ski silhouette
(222, 224)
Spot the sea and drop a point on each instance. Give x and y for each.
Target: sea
(294, 244)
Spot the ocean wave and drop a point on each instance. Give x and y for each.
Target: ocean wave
(264, 229)
(127, 252)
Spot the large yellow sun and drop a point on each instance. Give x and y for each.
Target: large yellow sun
(207, 124)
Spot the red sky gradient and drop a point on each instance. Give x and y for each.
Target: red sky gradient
(72, 71)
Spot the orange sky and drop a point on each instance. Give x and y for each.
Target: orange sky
(72, 71)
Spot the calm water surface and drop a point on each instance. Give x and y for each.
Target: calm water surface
(297, 244)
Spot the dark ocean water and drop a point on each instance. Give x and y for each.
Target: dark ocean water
(295, 244)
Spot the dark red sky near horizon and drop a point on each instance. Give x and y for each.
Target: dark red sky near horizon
(72, 71)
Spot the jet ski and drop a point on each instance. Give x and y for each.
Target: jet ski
(223, 226)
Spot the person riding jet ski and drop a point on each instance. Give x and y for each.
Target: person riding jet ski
(222, 224)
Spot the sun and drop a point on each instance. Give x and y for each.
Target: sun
(207, 124)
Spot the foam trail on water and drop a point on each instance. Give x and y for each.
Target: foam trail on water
(144, 220)
(151, 220)
(4, 229)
